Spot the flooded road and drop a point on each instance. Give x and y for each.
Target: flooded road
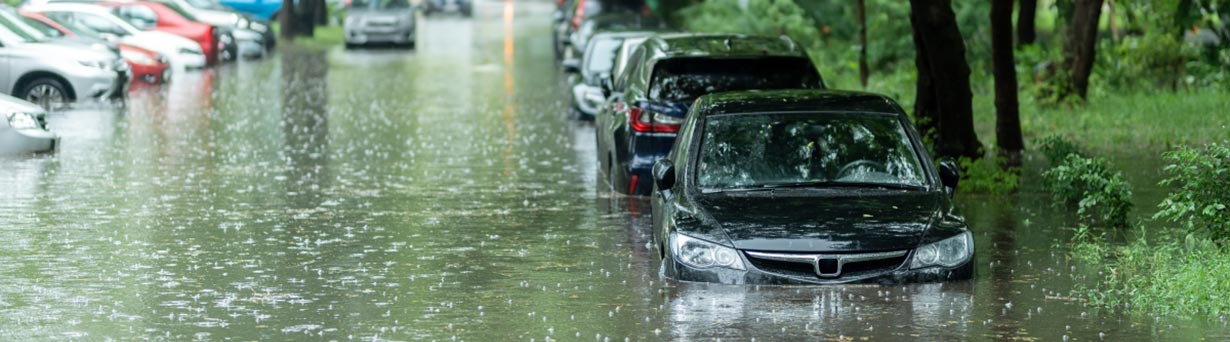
(440, 194)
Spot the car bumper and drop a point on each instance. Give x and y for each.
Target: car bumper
(367, 35)
(187, 61)
(149, 74)
(902, 274)
(19, 141)
(645, 149)
(97, 83)
(251, 49)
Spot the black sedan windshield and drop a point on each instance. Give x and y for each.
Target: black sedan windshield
(685, 79)
(785, 150)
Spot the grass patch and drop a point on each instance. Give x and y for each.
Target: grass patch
(1186, 276)
(325, 37)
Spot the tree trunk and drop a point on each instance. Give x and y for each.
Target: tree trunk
(1183, 18)
(860, 9)
(287, 18)
(1026, 33)
(943, 104)
(1003, 64)
(1080, 47)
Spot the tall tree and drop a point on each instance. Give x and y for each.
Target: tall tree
(286, 17)
(1026, 18)
(943, 104)
(860, 12)
(1003, 66)
(1080, 46)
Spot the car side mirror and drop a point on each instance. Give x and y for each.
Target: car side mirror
(950, 175)
(664, 174)
(572, 65)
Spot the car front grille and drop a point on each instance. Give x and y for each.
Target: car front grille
(812, 266)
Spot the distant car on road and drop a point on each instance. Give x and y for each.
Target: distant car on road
(608, 22)
(662, 78)
(23, 128)
(465, 7)
(806, 187)
(575, 12)
(217, 43)
(183, 52)
(379, 21)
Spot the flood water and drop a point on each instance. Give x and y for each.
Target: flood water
(442, 194)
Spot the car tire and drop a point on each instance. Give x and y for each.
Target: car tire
(350, 46)
(47, 92)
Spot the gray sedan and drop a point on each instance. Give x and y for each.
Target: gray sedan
(379, 21)
(52, 74)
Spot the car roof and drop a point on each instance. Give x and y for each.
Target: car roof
(718, 45)
(795, 100)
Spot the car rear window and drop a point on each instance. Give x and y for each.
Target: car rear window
(685, 79)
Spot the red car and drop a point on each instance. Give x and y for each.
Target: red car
(152, 15)
(148, 67)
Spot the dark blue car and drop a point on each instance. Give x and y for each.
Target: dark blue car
(649, 100)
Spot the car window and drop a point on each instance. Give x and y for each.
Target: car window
(180, 10)
(601, 55)
(67, 22)
(685, 79)
(18, 29)
(137, 15)
(100, 24)
(43, 27)
(754, 150)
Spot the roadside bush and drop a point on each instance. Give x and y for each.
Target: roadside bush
(1185, 276)
(1056, 148)
(1101, 196)
(986, 176)
(1201, 177)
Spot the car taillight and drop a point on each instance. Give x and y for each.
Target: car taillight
(647, 121)
(579, 15)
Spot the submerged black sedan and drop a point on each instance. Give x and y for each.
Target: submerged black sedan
(806, 187)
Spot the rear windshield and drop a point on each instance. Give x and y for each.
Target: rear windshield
(685, 79)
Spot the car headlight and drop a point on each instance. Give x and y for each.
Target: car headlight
(241, 22)
(19, 120)
(703, 254)
(94, 63)
(137, 57)
(949, 252)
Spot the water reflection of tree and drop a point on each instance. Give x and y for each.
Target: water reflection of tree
(305, 125)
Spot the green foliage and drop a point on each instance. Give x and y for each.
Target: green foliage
(762, 17)
(1201, 178)
(1057, 147)
(1153, 60)
(987, 176)
(1171, 276)
(1101, 196)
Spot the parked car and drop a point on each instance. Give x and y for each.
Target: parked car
(665, 74)
(620, 21)
(51, 75)
(246, 29)
(830, 187)
(147, 67)
(595, 68)
(379, 21)
(217, 43)
(24, 128)
(182, 52)
(465, 7)
(264, 10)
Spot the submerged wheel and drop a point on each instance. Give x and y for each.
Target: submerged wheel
(46, 92)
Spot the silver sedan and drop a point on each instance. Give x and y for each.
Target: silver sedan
(379, 21)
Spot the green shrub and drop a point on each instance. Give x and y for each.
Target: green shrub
(986, 176)
(1201, 177)
(1101, 196)
(1056, 148)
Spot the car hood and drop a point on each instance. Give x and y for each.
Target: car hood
(163, 40)
(859, 222)
(67, 50)
(9, 104)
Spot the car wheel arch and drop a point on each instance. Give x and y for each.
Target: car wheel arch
(24, 81)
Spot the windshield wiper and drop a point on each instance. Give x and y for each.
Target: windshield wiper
(832, 184)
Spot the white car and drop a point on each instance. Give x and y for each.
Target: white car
(182, 52)
(23, 128)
